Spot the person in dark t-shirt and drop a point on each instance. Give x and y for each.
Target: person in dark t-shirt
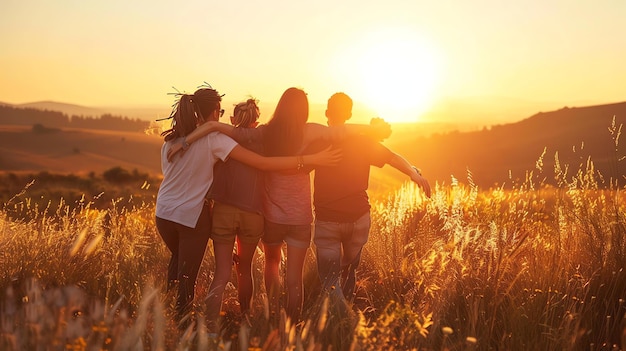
(342, 208)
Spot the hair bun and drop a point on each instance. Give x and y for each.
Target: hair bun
(252, 103)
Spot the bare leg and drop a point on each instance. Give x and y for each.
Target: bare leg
(272, 280)
(223, 268)
(293, 281)
(244, 274)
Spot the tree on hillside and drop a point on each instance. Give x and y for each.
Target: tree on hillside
(29, 116)
(109, 122)
(10, 115)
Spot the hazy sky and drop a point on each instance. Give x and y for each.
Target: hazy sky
(392, 55)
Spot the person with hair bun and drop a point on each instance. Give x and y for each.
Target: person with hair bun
(182, 209)
(237, 192)
(287, 194)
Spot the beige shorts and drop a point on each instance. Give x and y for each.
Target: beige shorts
(230, 222)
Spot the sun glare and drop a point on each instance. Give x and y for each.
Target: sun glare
(393, 72)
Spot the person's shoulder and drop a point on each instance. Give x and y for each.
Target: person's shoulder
(361, 140)
(249, 131)
(314, 131)
(310, 127)
(316, 146)
(365, 144)
(219, 137)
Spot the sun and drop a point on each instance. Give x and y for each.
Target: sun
(392, 71)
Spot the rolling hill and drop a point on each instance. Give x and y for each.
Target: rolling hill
(143, 113)
(496, 155)
(24, 149)
(503, 154)
(68, 109)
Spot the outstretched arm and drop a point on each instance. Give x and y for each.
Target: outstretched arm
(377, 130)
(326, 157)
(202, 130)
(401, 164)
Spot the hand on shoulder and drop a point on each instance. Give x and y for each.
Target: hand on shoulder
(381, 129)
(175, 148)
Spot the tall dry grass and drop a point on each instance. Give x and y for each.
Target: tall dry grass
(529, 268)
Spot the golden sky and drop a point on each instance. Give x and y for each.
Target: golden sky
(395, 56)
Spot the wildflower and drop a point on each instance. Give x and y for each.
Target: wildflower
(447, 331)
(78, 345)
(100, 327)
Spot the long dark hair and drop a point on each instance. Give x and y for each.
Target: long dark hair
(190, 111)
(284, 132)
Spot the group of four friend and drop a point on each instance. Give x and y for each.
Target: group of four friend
(217, 185)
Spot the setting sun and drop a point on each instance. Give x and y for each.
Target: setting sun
(394, 72)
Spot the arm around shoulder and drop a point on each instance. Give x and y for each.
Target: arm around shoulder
(377, 130)
(208, 127)
(327, 157)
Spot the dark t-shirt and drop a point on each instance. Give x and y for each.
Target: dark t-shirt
(236, 183)
(340, 192)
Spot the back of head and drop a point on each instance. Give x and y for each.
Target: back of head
(339, 108)
(192, 110)
(246, 114)
(284, 132)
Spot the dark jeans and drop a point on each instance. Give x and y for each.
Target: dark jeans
(187, 246)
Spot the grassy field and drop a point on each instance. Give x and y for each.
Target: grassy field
(533, 268)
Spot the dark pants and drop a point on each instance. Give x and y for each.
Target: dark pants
(187, 246)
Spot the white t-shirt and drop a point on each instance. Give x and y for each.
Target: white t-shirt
(187, 179)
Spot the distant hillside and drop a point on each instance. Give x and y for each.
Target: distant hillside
(29, 116)
(503, 154)
(68, 109)
(142, 113)
(26, 149)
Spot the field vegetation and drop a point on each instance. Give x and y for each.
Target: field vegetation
(23, 194)
(531, 268)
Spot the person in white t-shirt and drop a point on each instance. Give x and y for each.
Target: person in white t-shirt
(182, 211)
